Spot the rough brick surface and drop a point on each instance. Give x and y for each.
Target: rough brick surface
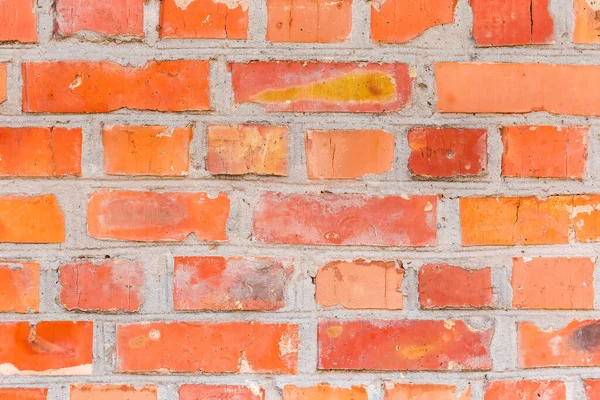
(19, 286)
(18, 21)
(526, 390)
(324, 391)
(411, 391)
(221, 392)
(112, 392)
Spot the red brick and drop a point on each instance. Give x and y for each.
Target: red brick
(561, 152)
(234, 283)
(525, 390)
(46, 348)
(149, 216)
(3, 82)
(102, 86)
(448, 286)
(111, 17)
(112, 392)
(515, 220)
(18, 21)
(324, 391)
(19, 286)
(447, 152)
(23, 394)
(348, 154)
(587, 25)
(346, 219)
(204, 19)
(360, 284)
(247, 149)
(517, 88)
(553, 283)
(40, 152)
(107, 286)
(232, 347)
(309, 21)
(322, 87)
(586, 217)
(221, 392)
(423, 391)
(146, 150)
(37, 219)
(403, 345)
(398, 21)
(592, 389)
(575, 345)
(512, 22)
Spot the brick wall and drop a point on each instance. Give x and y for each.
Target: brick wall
(307, 199)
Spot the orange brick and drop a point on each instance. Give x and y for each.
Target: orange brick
(587, 24)
(18, 22)
(561, 152)
(515, 220)
(517, 88)
(414, 391)
(322, 87)
(232, 347)
(235, 283)
(113, 392)
(146, 150)
(586, 217)
(111, 17)
(398, 21)
(512, 22)
(309, 21)
(403, 345)
(46, 348)
(447, 152)
(324, 391)
(149, 216)
(204, 19)
(36, 219)
(348, 154)
(221, 392)
(346, 219)
(360, 284)
(449, 286)
(3, 79)
(247, 149)
(19, 286)
(525, 390)
(23, 394)
(101, 86)
(40, 152)
(575, 345)
(553, 283)
(108, 286)
(592, 389)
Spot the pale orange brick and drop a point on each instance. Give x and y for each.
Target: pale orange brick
(19, 286)
(525, 390)
(220, 392)
(18, 22)
(586, 217)
(422, 391)
(324, 391)
(592, 389)
(113, 392)
(23, 394)
(37, 219)
(587, 24)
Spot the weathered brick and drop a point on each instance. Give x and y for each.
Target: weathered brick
(309, 21)
(586, 217)
(587, 24)
(204, 19)
(102, 86)
(247, 149)
(592, 389)
(105, 286)
(234, 283)
(36, 219)
(448, 286)
(525, 390)
(146, 150)
(111, 17)
(46, 348)
(512, 22)
(3, 83)
(515, 220)
(348, 154)
(447, 152)
(19, 286)
(40, 152)
(221, 392)
(561, 152)
(322, 87)
(346, 219)
(403, 345)
(423, 391)
(151, 216)
(231, 347)
(113, 392)
(23, 394)
(18, 22)
(553, 283)
(575, 345)
(360, 284)
(324, 391)
(517, 88)
(398, 21)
